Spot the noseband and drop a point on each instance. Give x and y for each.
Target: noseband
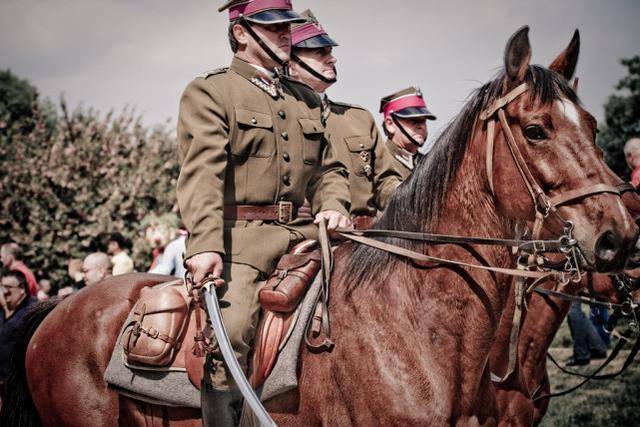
(542, 202)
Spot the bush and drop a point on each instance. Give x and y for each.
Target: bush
(63, 187)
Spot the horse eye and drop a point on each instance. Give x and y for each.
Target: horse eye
(535, 133)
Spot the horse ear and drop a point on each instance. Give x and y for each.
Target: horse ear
(517, 55)
(565, 63)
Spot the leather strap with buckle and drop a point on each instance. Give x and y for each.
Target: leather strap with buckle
(283, 212)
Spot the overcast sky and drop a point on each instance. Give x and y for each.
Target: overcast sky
(108, 54)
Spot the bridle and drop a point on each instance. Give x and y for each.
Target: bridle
(544, 205)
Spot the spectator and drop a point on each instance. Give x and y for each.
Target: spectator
(11, 256)
(172, 260)
(75, 281)
(121, 261)
(95, 267)
(45, 288)
(587, 344)
(632, 154)
(16, 293)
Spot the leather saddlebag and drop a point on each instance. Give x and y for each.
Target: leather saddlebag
(154, 334)
(288, 284)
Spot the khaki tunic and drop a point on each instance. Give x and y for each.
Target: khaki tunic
(372, 176)
(403, 162)
(241, 146)
(248, 140)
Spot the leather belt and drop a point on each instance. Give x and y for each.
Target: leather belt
(282, 212)
(362, 222)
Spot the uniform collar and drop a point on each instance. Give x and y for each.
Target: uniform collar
(249, 71)
(259, 76)
(403, 156)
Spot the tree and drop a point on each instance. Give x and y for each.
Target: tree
(622, 118)
(61, 190)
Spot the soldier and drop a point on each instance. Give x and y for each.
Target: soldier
(351, 129)
(252, 148)
(405, 124)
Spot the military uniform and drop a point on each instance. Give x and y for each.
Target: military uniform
(402, 161)
(352, 132)
(356, 139)
(246, 140)
(405, 104)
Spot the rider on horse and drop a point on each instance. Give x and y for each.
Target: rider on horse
(351, 128)
(405, 124)
(252, 147)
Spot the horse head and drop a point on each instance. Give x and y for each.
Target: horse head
(543, 165)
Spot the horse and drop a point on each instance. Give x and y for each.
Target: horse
(411, 341)
(542, 319)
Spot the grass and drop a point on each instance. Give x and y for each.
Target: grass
(613, 402)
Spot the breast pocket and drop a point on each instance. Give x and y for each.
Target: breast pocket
(312, 144)
(361, 153)
(255, 136)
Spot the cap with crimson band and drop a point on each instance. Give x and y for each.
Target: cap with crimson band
(310, 34)
(262, 11)
(405, 104)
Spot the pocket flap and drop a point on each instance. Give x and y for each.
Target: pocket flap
(359, 143)
(253, 118)
(310, 126)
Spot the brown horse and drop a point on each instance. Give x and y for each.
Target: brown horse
(543, 318)
(411, 341)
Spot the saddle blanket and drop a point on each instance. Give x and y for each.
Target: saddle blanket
(171, 386)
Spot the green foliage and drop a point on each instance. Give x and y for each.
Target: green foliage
(622, 118)
(17, 97)
(62, 189)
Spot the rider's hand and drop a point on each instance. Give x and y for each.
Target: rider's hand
(205, 264)
(334, 220)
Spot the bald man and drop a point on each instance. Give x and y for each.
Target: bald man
(96, 267)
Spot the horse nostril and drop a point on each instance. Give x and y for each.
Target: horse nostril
(608, 248)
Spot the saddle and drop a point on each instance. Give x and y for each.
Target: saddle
(165, 331)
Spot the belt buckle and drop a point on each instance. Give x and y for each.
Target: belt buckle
(285, 212)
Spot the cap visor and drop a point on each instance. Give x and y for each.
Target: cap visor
(275, 16)
(413, 112)
(321, 40)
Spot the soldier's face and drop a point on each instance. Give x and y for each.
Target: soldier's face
(416, 127)
(276, 36)
(322, 61)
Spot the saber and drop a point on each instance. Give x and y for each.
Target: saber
(213, 308)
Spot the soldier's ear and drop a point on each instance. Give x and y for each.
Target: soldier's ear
(240, 34)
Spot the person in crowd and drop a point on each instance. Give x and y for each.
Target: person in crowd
(172, 260)
(44, 289)
(405, 125)
(121, 261)
(252, 147)
(15, 289)
(632, 155)
(351, 128)
(95, 267)
(587, 344)
(159, 230)
(11, 256)
(75, 280)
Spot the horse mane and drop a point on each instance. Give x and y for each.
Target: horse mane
(417, 203)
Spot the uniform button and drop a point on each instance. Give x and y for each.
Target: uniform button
(282, 114)
(285, 136)
(286, 157)
(254, 121)
(361, 145)
(286, 180)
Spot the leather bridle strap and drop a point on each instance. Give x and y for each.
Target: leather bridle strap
(436, 261)
(532, 245)
(579, 193)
